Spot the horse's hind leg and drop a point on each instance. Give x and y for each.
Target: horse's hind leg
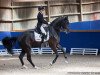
(61, 48)
(29, 57)
(21, 57)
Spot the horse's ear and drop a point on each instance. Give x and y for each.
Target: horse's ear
(66, 17)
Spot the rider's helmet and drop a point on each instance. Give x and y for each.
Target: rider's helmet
(40, 8)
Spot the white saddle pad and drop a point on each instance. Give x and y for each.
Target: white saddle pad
(38, 37)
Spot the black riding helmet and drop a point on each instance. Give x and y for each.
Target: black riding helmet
(40, 8)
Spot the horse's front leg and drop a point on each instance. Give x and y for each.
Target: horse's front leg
(61, 48)
(54, 60)
(53, 45)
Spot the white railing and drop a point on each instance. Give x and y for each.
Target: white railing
(84, 51)
(34, 51)
(3, 52)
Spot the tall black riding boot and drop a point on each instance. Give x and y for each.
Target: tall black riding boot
(43, 36)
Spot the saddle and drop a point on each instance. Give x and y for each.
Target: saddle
(38, 36)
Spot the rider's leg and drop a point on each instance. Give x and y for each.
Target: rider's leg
(43, 36)
(42, 30)
(43, 33)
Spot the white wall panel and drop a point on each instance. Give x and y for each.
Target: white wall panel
(5, 27)
(24, 25)
(5, 3)
(5, 14)
(28, 10)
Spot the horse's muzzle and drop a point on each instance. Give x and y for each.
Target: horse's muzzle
(66, 31)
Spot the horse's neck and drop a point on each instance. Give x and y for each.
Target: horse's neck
(58, 32)
(57, 29)
(54, 32)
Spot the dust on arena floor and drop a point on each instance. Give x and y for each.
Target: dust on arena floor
(78, 65)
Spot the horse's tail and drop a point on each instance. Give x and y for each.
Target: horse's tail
(8, 43)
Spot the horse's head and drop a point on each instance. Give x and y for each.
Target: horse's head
(61, 24)
(64, 24)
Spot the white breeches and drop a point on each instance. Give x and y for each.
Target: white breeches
(42, 29)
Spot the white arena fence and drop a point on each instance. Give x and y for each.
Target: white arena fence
(34, 51)
(84, 51)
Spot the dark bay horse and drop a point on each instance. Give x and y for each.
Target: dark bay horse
(27, 40)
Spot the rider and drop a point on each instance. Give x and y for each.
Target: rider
(41, 21)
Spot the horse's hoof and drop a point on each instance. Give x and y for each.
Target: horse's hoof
(66, 61)
(36, 67)
(11, 55)
(24, 67)
(51, 63)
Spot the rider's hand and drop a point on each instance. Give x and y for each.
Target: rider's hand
(48, 22)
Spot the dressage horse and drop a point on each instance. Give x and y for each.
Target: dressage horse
(27, 40)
